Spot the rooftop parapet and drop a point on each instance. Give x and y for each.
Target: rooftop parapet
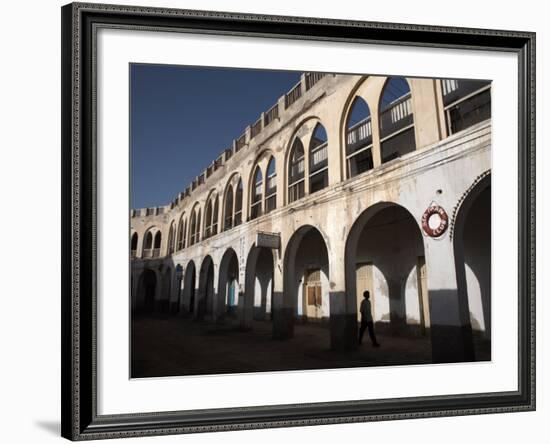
(307, 81)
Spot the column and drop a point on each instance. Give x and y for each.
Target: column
(343, 318)
(450, 327)
(425, 112)
(282, 310)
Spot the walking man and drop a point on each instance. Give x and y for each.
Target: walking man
(366, 320)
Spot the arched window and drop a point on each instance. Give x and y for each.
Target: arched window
(215, 217)
(296, 171)
(256, 194)
(184, 243)
(358, 139)
(208, 220)
(318, 159)
(148, 245)
(396, 119)
(133, 245)
(182, 233)
(156, 246)
(171, 235)
(211, 217)
(228, 209)
(194, 226)
(239, 204)
(198, 227)
(466, 103)
(270, 186)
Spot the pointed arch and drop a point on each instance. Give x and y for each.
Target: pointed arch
(215, 216)
(396, 119)
(211, 215)
(134, 244)
(182, 232)
(238, 218)
(147, 249)
(256, 193)
(228, 208)
(157, 243)
(271, 185)
(208, 220)
(172, 237)
(359, 156)
(318, 159)
(296, 171)
(195, 224)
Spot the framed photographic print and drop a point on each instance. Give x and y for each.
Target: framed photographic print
(279, 221)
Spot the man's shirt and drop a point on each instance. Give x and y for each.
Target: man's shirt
(366, 313)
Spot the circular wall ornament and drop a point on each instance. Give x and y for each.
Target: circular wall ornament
(435, 221)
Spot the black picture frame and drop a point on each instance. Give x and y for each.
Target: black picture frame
(79, 169)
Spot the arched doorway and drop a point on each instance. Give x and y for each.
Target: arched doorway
(147, 290)
(166, 290)
(259, 284)
(472, 247)
(206, 289)
(306, 280)
(133, 245)
(176, 302)
(385, 256)
(228, 285)
(189, 288)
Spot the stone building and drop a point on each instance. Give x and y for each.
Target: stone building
(347, 183)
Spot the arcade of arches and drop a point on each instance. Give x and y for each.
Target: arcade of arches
(384, 254)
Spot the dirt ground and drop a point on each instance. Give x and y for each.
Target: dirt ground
(165, 345)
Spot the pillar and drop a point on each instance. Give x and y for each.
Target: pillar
(451, 332)
(343, 317)
(425, 112)
(282, 311)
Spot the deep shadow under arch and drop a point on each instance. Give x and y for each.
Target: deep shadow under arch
(472, 251)
(205, 306)
(228, 277)
(384, 254)
(258, 296)
(306, 258)
(189, 288)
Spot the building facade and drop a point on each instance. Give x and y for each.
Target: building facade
(348, 183)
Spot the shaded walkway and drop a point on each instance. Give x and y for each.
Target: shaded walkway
(171, 346)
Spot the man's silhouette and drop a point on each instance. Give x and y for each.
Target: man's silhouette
(366, 320)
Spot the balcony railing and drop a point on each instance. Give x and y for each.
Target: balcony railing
(397, 116)
(148, 252)
(297, 169)
(271, 114)
(240, 142)
(271, 182)
(319, 156)
(256, 128)
(293, 95)
(312, 78)
(359, 135)
(156, 252)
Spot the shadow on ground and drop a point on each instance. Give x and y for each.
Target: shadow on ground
(175, 346)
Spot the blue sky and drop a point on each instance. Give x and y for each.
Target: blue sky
(182, 118)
